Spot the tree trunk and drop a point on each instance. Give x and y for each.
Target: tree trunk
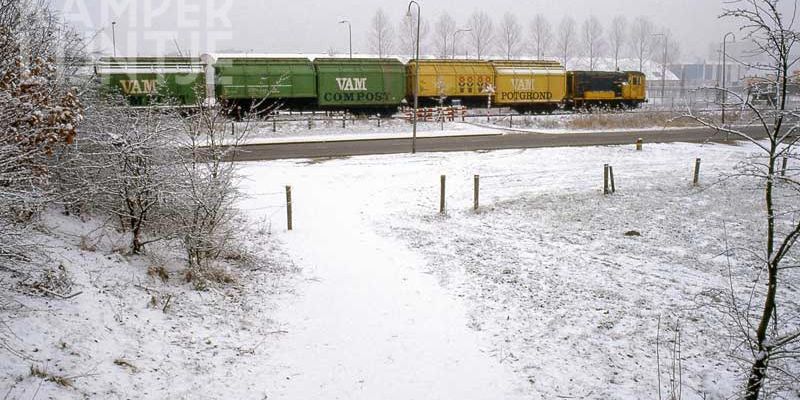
(759, 367)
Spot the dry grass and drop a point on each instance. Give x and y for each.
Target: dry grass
(125, 364)
(158, 271)
(43, 374)
(621, 120)
(201, 278)
(87, 244)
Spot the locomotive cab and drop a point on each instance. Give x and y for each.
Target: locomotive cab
(633, 91)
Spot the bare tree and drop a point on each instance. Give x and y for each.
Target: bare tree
(617, 37)
(773, 342)
(482, 33)
(381, 34)
(593, 41)
(511, 35)
(565, 39)
(407, 34)
(445, 26)
(641, 40)
(541, 36)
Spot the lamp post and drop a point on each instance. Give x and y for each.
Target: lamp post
(663, 67)
(454, 39)
(724, 61)
(350, 33)
(114, 37)
(416, 77)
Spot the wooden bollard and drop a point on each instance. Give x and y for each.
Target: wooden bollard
(696, 180)
(611, 177)
(510, 120)
(441, 194)
(476, 193)
(289, 207)
(605, 179)
(639, 144)
(274, 122)
(784, 165)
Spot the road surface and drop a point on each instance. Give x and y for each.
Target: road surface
(344, 148)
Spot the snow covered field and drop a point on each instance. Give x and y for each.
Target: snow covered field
(540, 295)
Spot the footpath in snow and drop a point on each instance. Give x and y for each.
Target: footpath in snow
(368, 323)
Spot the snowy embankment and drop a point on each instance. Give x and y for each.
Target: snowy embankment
(557, 301)
(133, 328)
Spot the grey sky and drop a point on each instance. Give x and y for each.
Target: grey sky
(147, 27)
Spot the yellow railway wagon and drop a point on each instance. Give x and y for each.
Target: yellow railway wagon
(529, 85)
(455, 79)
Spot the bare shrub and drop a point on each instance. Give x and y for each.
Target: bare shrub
(158, 271)
(42, 373)
(39, 112)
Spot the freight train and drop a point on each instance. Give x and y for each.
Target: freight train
(367, 85)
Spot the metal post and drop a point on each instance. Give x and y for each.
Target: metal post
(454, 40)
(350, 33)
(664, 71)
(663, 67)
(114, 37)
(605, 179)
(416, 77)
(724, 72)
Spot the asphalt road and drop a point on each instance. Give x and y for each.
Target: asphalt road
(344, 148)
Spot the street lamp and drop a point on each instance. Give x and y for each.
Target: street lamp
(454, 39)
(114, 37)
(663, 66)
(416, 77)
(724, 61)
(350, 32)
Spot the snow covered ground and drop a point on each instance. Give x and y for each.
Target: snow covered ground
(127, 334)
(540, 295)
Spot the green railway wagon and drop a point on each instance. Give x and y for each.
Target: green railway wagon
(152, 80)
(256, 78)
(360, 84)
